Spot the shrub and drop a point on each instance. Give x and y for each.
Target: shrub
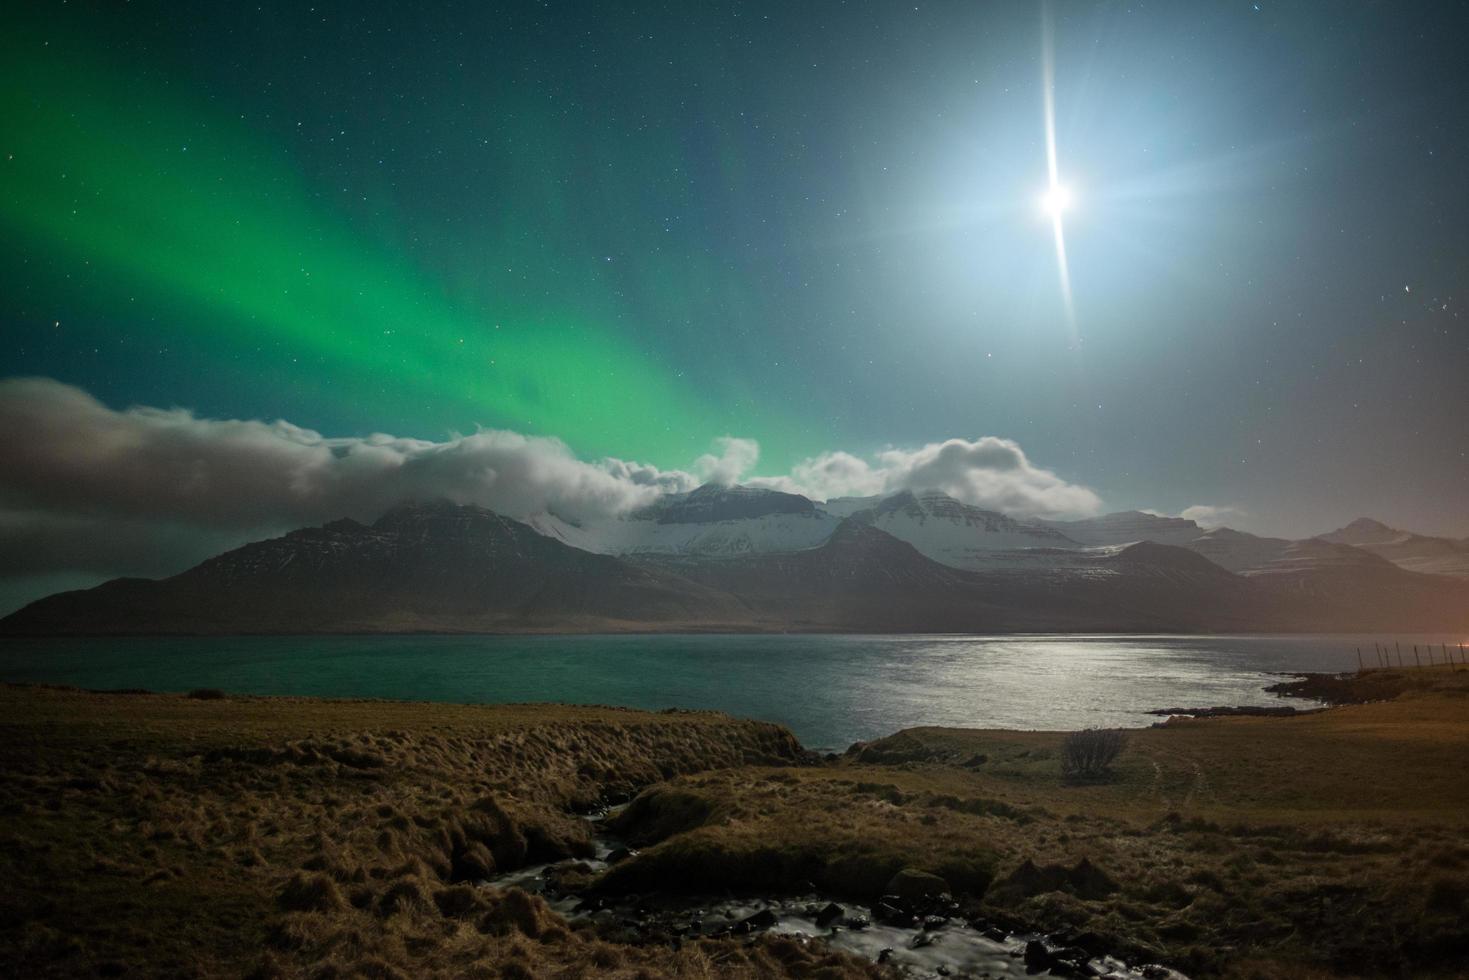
(207, 694)
(1089, 754)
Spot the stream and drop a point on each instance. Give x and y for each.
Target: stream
(930, 946)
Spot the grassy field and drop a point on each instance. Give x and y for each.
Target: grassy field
(196, 836)
(174, 836)
(1328, 844)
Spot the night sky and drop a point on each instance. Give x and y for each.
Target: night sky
(641, 227)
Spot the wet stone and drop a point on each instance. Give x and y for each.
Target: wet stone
(829, 915)
(764, 919)
(893, 911)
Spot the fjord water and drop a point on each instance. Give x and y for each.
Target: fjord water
(830, 690)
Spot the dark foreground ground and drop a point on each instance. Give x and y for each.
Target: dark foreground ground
(164, 835)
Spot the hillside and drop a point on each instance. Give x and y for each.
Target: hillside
(427, 567)
(1415, 552)
(719, 560)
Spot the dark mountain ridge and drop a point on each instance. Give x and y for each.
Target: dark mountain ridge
(443, 567)
(711, 503)
(420, 567)
(1415, 552)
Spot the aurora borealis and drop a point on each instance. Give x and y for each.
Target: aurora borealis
(813, 226)
(163, 204)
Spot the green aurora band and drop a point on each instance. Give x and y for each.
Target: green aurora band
(188, 211)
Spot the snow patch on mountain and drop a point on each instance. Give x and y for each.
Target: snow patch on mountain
(710, 521)
(1415, 552)
(955, 533)
(1236, 550)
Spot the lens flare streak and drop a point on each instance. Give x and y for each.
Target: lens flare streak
(1057, 196)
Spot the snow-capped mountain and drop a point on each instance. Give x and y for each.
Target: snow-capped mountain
(724, 522)
(1319, 555)
(1367, 591)
(712, 521)
(715, 521)
(1128, 526)
(1236, 550)
(1366, 531)
(443, 567)
(1415, 552)
(955, 533)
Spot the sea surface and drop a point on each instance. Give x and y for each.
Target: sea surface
(830, 690)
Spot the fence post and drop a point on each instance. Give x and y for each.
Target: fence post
(1399, 647)
(1416, 661)
(1359, 660)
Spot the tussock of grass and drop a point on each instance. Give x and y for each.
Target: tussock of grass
(774, 831)
(310, 893)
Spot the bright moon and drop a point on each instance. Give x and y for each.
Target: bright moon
(1056, 200)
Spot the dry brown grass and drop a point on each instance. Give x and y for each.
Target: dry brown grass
(165, 835)
(1324, 844)
(173, 836)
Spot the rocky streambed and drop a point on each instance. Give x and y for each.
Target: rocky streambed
(918, 930)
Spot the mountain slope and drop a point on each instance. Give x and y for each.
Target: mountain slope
(1236, 550)
(1145, 587)
(711, 520)
(858, 579)
(954, 533)
(449, 568)
(1365, 591)
(433, 567)
(865, 579)
(1415, 552)
(1126, 527)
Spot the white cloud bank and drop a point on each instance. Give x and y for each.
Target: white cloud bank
(65, 451)
(988, 472)
(85, 488)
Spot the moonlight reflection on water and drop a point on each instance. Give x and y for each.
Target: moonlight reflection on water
(830, 690)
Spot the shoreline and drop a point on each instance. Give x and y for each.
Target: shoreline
(716, 630)
(816, 685)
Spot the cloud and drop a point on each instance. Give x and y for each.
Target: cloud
(1208, 515)
(86, 490)
(65, 451)
(148, 491)
(827, 476)
(643, 475)
(736, 458)
(987, 472)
